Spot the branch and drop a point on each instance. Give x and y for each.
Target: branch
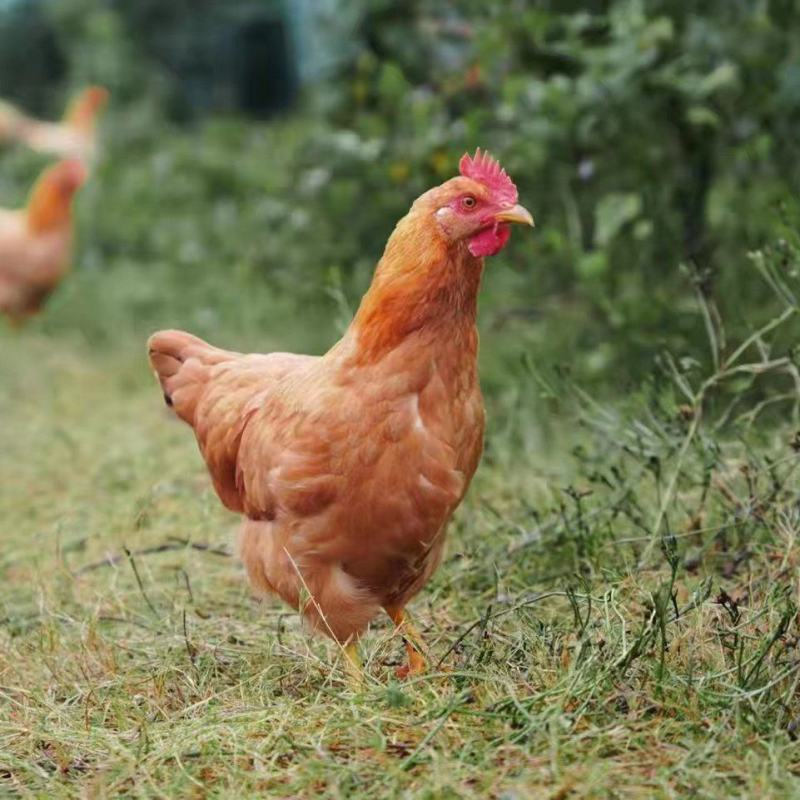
(173, 543)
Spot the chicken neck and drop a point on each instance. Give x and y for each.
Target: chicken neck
(422, 288)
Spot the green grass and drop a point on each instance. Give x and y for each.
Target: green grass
(616, 615)
(560, 668)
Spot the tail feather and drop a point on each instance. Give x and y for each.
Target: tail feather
(183, 365)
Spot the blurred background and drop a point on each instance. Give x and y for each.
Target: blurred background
(257, 153)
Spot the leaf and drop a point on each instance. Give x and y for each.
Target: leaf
(660, 30)
(592, 265)
(392, 85)
(642, 229)
(723, 76)
(613, 212)
(702, 117)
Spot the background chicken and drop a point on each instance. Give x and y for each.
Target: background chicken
(73, 137)
(35, 242)
(347, 467)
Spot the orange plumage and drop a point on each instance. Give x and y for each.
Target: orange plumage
(35, 242)
(347, 467)
(73, 137)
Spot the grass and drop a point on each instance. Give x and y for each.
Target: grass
(616, 616)
(134, 661)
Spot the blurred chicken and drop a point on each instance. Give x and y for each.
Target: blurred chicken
(35, 241)
(73, 137)
(347, 467)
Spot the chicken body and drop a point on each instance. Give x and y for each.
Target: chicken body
(347, 467)
(347, 473)
(35, 242)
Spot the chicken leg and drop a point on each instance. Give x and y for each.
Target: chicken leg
(352, 666)
(416, 661)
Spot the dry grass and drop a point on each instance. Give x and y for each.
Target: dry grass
(571, 657)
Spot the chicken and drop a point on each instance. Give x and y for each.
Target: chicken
(35, 242)
(73, 137)
(347, 467)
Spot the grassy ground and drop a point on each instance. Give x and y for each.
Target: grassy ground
(134, 662)
(616, 617)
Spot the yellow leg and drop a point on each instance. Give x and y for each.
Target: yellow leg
(416, 661)
(352, 665)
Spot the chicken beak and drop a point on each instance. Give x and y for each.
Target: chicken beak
(515, 213)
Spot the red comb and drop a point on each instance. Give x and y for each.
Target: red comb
(483, 168)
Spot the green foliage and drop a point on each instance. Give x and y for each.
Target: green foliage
(641, 134)
(24, 30)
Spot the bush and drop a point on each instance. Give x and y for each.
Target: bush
(643, 136)
(653, 141)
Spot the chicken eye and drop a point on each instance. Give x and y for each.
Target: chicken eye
(469, 201)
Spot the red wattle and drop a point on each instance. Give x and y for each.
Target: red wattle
(489, 241)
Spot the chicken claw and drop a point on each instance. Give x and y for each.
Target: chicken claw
(416, 661)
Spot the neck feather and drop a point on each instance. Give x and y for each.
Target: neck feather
(420, 284)
(48, 208)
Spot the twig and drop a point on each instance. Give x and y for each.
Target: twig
(173, 543)
(190, 648)
(124, 621)
(139, 581)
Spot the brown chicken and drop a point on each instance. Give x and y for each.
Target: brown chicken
(36, 241)
(347, 467)
(73, 137)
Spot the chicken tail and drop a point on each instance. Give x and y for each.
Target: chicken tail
(183, 363)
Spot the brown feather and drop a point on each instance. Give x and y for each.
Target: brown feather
(349, 466)
(35, 242)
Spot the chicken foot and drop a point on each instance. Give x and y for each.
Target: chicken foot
(411, 637)
(352, 666)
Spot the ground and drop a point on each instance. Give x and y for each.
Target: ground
(573, 654)
(617, 612)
